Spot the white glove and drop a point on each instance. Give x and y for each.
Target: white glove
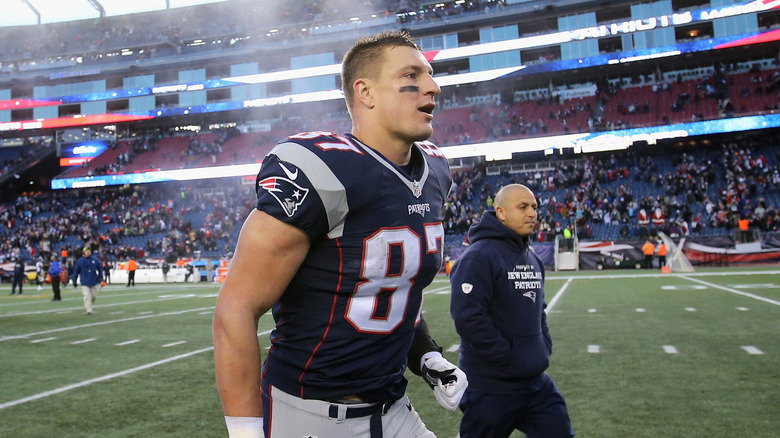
(447, 380)
(245, 427)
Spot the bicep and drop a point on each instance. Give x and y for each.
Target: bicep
(267, 256)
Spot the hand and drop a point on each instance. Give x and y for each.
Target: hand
(447, 380)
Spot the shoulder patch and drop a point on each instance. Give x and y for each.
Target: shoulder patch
(289, 194)
(466, 288)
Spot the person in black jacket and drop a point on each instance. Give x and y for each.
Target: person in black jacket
(497, 303)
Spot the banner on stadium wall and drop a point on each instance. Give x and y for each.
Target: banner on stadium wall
(76, 154)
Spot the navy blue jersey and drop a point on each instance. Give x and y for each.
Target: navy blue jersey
(345, 323)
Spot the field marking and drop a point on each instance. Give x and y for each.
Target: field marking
(42, 312)
(655, 275)
(78, 298)
(453, 348)
(755, 286)
(36, 341)
(735, 291)
(690, 309)
(558, 295)
(743, 309)
(83, 341)
(752, 350)
(100, 379)
(108, 377)
(592, 310)
(132, 341)
(670, 349)
(75, 327)
(173, 344)
(640, 310)
(595, 349)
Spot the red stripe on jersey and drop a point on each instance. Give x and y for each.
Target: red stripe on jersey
(330, 320)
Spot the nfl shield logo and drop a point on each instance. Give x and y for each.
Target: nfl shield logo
(416, 189)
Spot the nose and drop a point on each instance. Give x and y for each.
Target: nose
(431, 87)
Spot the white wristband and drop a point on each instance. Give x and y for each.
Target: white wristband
(245, 427)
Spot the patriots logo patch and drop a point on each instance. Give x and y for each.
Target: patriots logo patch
(466, 288)
(531, 295)
(289, 194)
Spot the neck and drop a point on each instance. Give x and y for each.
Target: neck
(396, 150)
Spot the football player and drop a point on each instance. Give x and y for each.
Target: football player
(346, 233)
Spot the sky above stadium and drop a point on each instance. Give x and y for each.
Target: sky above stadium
(26, 12)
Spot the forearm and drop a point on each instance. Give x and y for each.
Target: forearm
(237, 365)
(422, 343)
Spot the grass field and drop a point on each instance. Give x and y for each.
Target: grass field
(635, 354)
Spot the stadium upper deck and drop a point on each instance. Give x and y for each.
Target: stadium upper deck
(224, 68)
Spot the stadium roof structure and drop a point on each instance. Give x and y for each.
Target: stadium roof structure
(32, 12)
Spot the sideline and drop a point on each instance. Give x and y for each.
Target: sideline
(107, 377)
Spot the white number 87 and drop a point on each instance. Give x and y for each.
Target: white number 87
(378, 281)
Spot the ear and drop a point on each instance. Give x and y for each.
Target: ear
(500, 213)
(363, 93)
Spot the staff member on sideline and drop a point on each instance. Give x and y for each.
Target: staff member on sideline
(497, 303)
(55, 269)
(132, 266)
(90, 270)
(648, 249)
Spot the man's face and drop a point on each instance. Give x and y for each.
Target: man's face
(405, 93)
(518, 211)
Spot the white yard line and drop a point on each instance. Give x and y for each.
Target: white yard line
(99, 306)
(100, 379)
(752, 350)
(107, 377)
(75, 327)
(558, 295)
(173, 344)
(132, 341)
(735, 291)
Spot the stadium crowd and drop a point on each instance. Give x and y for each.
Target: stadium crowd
(608, 196)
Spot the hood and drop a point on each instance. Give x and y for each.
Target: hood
(489, 227)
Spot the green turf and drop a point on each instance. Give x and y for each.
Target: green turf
(163, 384)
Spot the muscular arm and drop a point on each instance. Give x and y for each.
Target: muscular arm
(268, 254)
